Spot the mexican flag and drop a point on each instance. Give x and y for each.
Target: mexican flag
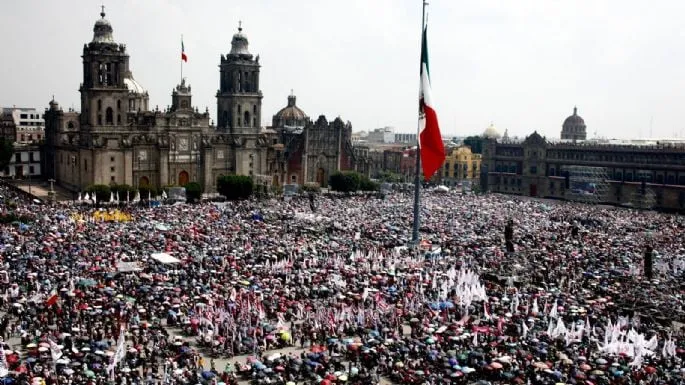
(184, 57)
(52, 299)
(430, 140)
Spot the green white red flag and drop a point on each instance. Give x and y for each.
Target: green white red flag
(430, 139)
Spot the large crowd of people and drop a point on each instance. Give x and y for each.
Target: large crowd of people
(330, 292)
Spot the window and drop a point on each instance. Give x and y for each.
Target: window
(85, 165)
(17, 158)
(111, 169)
(111, 159)
(293, 178)
(99, 120)
(99, 105)
(118, 105)
(23, 116)
(254, 109)
(533, 170)
(30, 137)
(109, 115)
(118, 119)
(112, 179)
(31, 170)
(23, 137)
(30, 156)
(184, 104)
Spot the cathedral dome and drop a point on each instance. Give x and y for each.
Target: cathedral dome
(491, 132)
(290, 116)
(574, 127)
(102, 31)
(133, 86)
(239, 44)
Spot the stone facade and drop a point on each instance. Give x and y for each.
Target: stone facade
(118, 139)
(536, 167)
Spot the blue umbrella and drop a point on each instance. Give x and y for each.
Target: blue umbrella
(207, 375)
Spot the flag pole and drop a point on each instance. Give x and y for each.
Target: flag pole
(181, 58)
(417, 177)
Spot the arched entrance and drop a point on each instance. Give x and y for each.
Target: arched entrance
(321, 177)
(183, 178)
(143, 181)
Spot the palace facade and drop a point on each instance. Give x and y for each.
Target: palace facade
(541, 168)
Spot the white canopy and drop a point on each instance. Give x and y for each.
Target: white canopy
(164, 258)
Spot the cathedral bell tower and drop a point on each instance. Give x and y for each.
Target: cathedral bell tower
(239, 100)
(104, 93)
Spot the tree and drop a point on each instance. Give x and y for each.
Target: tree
(235, 187)
(101, 191)
(6, 152)
(475, 142)
(350, 181)
(147, 192)
(193, 192)
(344, 181)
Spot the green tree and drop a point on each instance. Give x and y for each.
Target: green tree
(235, 187)
(6, 152)
(366, 184)
(344, 181)
(101, 191)
(193, 192)
(147, 191)
(476, 143)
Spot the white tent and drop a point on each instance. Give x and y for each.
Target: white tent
(164, 258)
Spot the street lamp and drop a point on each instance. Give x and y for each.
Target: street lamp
(51, 193)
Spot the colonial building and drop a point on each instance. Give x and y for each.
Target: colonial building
(460, 165)
(574, 128)
(538, 167)
(310, 151)
(118, 139)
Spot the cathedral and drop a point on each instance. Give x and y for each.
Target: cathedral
(118, 139)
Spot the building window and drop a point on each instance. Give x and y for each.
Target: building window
(118, 105)
(112, 169)
(30, 137)
(109, 116)
(31, 170)
(17, 158)
(23, 137)
(533, 170)
(118, 119)
(99, 120)
(112, 179)
(99, 105)
(30, 156)
(111, 159)
(23, 116)
(85, 165)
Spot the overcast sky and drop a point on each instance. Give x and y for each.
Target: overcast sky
(520, 64)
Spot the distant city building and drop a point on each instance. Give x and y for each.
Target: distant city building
(117, 138)
(574, 128)
(384, 135)
(540, 168)
(8, 129)
(30, 126)
(409, 139)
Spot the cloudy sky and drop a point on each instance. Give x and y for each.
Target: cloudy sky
(521, 64)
